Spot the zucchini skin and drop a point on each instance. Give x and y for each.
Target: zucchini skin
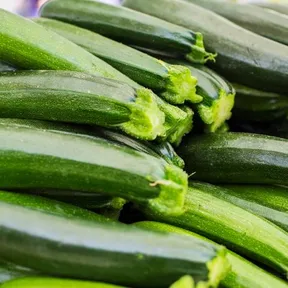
(47, 282)
(259, 106)
(28, 232)
(270, 202)
(281, 8)
(80, 98)
(243, 273)
(261, 21)
(242, 56)
(148, 71)
(236, 158)
(139, 29)
(231, 226)
(28, 45)
(87, 164)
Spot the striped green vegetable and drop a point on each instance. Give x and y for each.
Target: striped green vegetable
(243, 273)
(174, 83)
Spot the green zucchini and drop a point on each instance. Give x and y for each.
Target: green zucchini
(25, 44)
(236, 158)
(261, 21)
(278, 7)
(230, 225)
(139, 29)
(48, 282)
(172, 82)
(242, 56)
(80, 98)
(259, 106)
(87, 164)
(218, 97)
(48, 239)
(184, 282)
(270, 202)
(243, 273)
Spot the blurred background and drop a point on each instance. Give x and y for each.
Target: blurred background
(30, 7)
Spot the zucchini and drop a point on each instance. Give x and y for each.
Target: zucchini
(243, 273)
(270, 202)
(163, 150)
(231, 226)
(218, 96)
(242, 56)
(184, 282)
(259, 106)
(50, 206)
(80, 98)
(278, 7)
(261, 21)
(139, 29)
(87, 164)
(48, 239)
(27, 45)
(172, 82)
(48, 282)
(236, 158)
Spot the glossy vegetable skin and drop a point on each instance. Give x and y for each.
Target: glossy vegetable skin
(242, 56)
(243, 274)
(80, 98)
(25, 232)
(236, 158)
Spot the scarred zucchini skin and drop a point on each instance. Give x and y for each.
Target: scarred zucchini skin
(238, 229)
(80, 98)
(87, 164)
(29, 238)
(242, 56)
(130, 27)
(236, 158)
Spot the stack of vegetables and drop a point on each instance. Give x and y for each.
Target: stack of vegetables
(112, 115)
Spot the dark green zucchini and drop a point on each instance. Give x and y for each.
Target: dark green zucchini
(240, 230)
(261, 21)
(242, 56)
(80, 98)
(278, 7)
(172, 82)
(259, 106)
(243, 273)
(130, 27)
(50, 160)
(27, 45)
(236, 158)
(270, 202)
(218, 96)
(41, 241)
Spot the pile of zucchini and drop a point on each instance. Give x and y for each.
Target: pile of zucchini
(125, 157)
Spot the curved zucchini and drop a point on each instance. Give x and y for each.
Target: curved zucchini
(48, 239)
(242, 56)
(139, 29)
(172, 82)
(238, 229)
(270, 202)
(27, 45)
(87, 164)
(80, 98)
(236, 158)
(259, 106)
(243, 273)
(261, 21)
(53, 207)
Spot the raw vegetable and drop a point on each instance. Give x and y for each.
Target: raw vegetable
(237, 229)
(139, 29)
(174, 83)
(80, 98)
(236, 158)
(243, 273)
(278, 7)
(242, 56)
(39, 241)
